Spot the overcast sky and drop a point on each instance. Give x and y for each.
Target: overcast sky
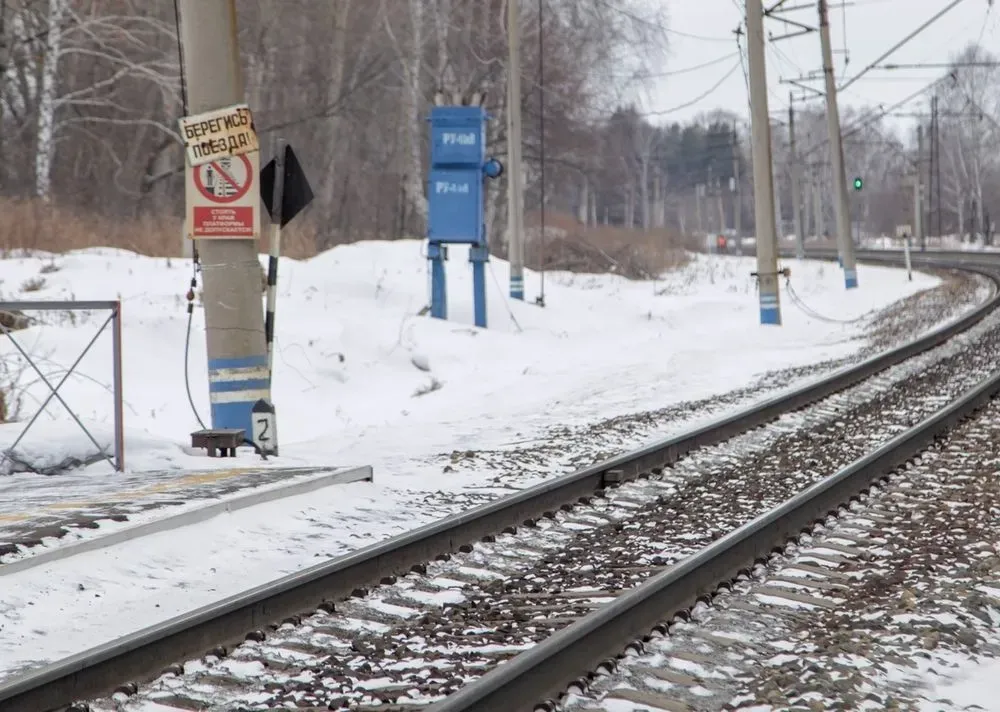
(701, 31)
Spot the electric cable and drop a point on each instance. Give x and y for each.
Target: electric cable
(809, 311)
(187, 349)
(195, 264)
(697, 99)
(506, 302)
(180, 57)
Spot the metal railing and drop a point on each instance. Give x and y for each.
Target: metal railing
(115, 319)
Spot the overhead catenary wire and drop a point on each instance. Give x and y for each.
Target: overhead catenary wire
(899, 44)
(743, 64)
(701, 97)
(677, 72)
(610, 4)
(877, 115)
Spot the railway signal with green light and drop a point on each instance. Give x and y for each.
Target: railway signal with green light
(858, 184)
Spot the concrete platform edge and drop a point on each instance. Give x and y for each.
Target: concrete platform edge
(341, 476)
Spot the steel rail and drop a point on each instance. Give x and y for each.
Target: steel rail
(541, 673)
(146, 653)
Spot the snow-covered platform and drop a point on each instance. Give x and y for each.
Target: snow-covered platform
(35, 509)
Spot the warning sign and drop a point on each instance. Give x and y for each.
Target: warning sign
(222, 200)
(219, 134)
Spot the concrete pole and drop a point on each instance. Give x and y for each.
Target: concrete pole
(709, 220)
(935, 180)
(721, 206)
(796, 171)
(807, 204)
(737, 195)
(918, 224)
(819, 207)
(234, 317)
(906, 258)
(698, 191)
(779, 221)
(763, 180)
(515, 175)
(837, 155)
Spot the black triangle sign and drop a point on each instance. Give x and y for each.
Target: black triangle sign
(298, 192)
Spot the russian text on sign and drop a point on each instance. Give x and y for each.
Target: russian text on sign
(461, 139)
(443, 186)
(220, 133)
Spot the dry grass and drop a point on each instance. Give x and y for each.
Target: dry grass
(39, 227)
(35, 226)
(574, 247)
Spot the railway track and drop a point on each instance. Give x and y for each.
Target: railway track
(859, 612)
(413, 640)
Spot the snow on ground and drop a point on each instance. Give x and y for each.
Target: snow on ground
(361, 378)
(946, 242)
(973, 687)
(359, 373)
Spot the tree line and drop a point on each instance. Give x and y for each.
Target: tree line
(91, 90)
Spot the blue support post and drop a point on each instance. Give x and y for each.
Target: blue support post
(851, 278)
(479, 255)
(437, 254)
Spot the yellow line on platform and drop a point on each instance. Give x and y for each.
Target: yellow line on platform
(197, 478)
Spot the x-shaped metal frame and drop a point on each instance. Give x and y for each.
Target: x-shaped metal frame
(54, 391)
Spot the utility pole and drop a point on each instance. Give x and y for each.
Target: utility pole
(699, 191)
(656, 197)
(796, 171)
(737, 194)
(515, 176)
(819, 207)
(837, 154)
(937, 167)
(779, 218)
(933, 187)
(708, 194)
(807, 204)
(918, 192)
(930, 175)
(763, 180)
(234, 317)
(721, 204)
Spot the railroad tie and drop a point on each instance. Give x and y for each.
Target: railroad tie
(795, 597)
(649, 699)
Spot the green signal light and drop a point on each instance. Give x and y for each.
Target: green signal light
(858, 184)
